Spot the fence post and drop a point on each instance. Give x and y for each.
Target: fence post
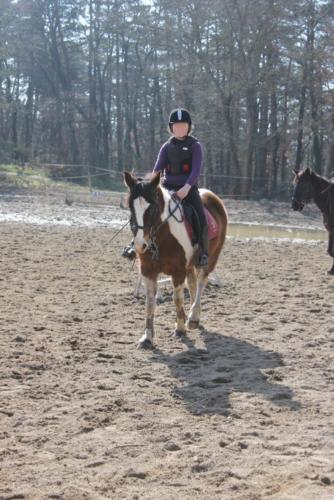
(89, 179)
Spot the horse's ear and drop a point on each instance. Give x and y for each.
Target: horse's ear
(155, 179)
(129, 180)
(295, 171)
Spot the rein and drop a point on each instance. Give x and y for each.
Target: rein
(124, 225)
(153, 246)
(178, 203)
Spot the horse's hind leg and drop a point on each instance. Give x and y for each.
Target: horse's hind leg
(331, 251)
(146, 341)
(192, 284)
(178, 295)
(195, 310)
(136, 291)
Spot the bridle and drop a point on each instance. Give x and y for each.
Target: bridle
(152, 245)
(308, 198)
(302, 202)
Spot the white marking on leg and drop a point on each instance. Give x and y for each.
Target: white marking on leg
(192, 285)
(138, 286)
(139, 289)
(150, 288)
(195, 310)
(178, 295)
(148, 336)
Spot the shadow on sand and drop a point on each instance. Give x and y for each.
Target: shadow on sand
(226, 365)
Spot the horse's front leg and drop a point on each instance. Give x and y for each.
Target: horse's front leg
(136, 291)
(195, 310)
(146, 340)
(178, 295)
(331, 250)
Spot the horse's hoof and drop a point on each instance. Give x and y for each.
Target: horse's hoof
(178, 333)
(192, 325)
(145, 344)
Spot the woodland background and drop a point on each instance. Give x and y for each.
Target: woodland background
(92, 82)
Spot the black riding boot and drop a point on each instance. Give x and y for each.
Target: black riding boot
(129, 252)
(203, 253)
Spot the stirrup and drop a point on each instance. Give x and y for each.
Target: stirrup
(129, 252)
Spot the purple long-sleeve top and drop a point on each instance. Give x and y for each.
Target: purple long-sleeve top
(180, 180)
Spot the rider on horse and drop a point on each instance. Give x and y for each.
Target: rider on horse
(180, 158)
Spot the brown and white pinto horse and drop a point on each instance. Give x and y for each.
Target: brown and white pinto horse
(163, 246)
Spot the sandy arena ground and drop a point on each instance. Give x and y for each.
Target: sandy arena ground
(242, 409)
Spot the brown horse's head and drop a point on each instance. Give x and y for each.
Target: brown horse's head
(303, 189)
(145, 208)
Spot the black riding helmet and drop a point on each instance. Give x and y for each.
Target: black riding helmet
(179, 115)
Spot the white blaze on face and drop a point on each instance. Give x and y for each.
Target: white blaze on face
(140, 205)
(177, 229)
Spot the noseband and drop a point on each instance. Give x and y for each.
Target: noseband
(299, 203)
(304, 199)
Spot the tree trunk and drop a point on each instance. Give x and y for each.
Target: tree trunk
(119, 110)
(262, 141)
(250, 183)
(92, 105)
(274, 145)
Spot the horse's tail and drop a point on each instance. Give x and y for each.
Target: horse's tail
(216, 206)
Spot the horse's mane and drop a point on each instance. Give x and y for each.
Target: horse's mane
(328, 207)
(322, 177)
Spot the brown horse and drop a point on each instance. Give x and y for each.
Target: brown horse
(163, 246)
(309, 186)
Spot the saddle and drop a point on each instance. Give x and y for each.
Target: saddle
(192, 223)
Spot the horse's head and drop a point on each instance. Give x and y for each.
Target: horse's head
(145, 206)
(303, 189)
